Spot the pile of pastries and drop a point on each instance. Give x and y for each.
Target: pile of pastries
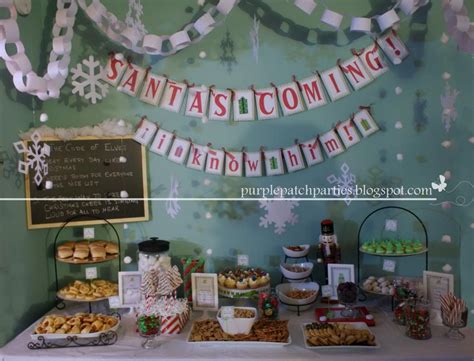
(243, 278)
(86, 250)
(399, 247)
(262, 331)
(333, 334)
(89, 290)
(80, 323)
(383, 285)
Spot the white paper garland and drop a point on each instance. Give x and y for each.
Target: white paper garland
(18, 64)
(361, 24)
(130, 38)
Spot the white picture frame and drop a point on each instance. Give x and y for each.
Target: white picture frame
(335, 270)
(129, 288)
(205, 291)
(436, 284)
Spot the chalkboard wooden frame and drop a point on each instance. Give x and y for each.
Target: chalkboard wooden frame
(146, 209)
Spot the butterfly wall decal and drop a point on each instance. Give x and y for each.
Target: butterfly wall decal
(442, 184)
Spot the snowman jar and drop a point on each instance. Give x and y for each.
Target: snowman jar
(153, 254)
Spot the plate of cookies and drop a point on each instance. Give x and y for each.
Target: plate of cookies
(81, 252)
(340, 335)
(88, 291)
(80, 325)
(263, 333)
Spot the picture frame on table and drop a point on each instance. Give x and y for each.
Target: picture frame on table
(436, 284)
(129, 284)
(205, 291)
(339, 273)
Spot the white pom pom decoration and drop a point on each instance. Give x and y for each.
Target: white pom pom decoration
(471, 140)
(446, 144)
(43, 117)
(127, 260)
(398, 125)
(446, 76)
(202, 54)
(398, 90)
(207, 181)
(399, 156)
(122, 159)
(209, 252)
(125, 226)
(48, 185)
(123, 194)
(119, 56)
(208, 215)
(447, 174)
(446, 238)
(204, 119)
(447, 268)
(397, 61)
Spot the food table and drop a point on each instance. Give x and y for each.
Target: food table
(394, 345)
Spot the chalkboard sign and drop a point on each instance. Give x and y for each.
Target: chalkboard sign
(90, 167)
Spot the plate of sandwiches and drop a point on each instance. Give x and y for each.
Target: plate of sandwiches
(80, 325)
(88, 291)
(80, 252)
(339, 335)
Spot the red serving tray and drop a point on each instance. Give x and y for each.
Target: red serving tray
(361, 310)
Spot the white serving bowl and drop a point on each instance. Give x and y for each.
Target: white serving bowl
(234, 326)
(296, 275)
(296, 254)
(291, 303)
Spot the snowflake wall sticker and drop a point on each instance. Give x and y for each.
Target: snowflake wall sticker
(35, 157)
(345, 182)
(448, 102)
(133, 18)
(172, 205)
(89, 84)
(279, 213)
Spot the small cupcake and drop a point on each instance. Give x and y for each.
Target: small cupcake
(242, 284)
(230, 282)
(263, 280)
(221, 279)
(253, 282)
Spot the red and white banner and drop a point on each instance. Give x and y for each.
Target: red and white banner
(272, 102)
(280, 161)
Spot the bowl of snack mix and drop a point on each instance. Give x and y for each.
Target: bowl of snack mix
(236, 320)
(296, 251)
(297, 294)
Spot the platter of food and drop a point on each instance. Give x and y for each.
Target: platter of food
(338, 336)
(385, 286)
(80, 325)
(84, 252)
(243, 282)
(88, 291)
(263, 333)
(398, 248)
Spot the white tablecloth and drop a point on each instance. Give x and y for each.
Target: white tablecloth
(394, 345)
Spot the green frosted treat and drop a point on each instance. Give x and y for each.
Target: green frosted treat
(365, 246)
(390, 248)
(380, 250)
(408, 249)
(371, 249)
(417, 246)
(399, 248)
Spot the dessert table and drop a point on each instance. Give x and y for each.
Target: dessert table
(394, 345)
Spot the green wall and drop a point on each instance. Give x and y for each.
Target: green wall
(285, 50)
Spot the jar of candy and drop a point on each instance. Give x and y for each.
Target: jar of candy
(268, 305)
(418, 320)
(402, 297)
(153, 254)
(149, 327)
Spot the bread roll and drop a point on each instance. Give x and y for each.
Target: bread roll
(81, 253)
(65, 252)
(98, 243)
(98, 252)
(112, 248)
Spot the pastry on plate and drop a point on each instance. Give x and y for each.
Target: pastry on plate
(65, 252)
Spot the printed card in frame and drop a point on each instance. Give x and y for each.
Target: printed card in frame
(339, 273)
(205, 292)
(436, 284)
(129, 289)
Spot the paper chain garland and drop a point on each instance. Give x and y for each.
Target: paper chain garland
(274, 162)
(164, 45)
(18, 64)
(209, 103)
(360, 24)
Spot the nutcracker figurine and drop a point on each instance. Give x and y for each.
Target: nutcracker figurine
(328, 248)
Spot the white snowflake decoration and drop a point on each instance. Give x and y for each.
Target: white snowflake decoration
(448, 102)
(346, 183)
(89, 84)
(279, 213)
(254, 40)
(133, 18)
(35, 157)
(172, 206)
